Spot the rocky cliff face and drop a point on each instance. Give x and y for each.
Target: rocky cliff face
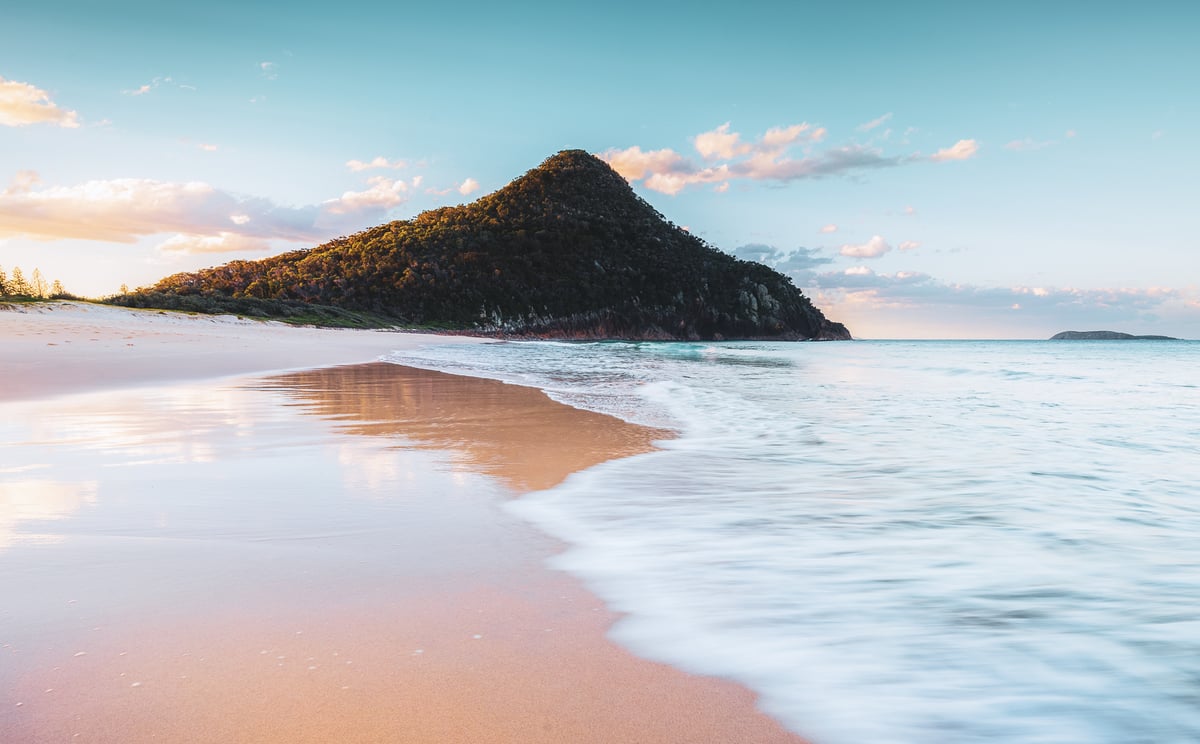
(566, 251)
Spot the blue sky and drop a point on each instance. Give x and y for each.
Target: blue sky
(920, 169)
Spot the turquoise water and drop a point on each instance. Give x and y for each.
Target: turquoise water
(897, 541)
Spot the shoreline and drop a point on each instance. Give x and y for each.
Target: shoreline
(547, 672)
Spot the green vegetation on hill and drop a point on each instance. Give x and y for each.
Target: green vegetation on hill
(567, 250)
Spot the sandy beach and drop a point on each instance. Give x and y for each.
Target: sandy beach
(211, 533)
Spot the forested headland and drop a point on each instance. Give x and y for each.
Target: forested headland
(568, 250)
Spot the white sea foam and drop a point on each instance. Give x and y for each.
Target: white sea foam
(897, 542)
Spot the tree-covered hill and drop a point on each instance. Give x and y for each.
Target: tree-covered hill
(567, 250)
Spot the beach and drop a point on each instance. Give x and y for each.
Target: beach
(218, 529)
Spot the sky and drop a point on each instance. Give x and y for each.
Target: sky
(920, 169)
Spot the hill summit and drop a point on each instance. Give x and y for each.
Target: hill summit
(568, 251)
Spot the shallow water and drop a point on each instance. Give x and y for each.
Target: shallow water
(897, 541)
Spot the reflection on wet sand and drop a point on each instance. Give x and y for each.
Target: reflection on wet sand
(34, 501)
(513, 433)
(333, 569)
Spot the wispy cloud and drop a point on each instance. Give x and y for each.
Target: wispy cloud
(727, 156)
(202, 217)
(961, 150)
(268, 70)
(22, 104)
(1028, 143)
(830, 228)
(157, 82)
(916, 299)
(222, 242)
(908, 245)
(468, 186)
(872, 124)
(376, 162)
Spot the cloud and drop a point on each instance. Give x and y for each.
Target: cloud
(22, 182)
(223, 242)
(909, 210)
(377, 162)
(201, 217)
(1026, 144)
(908, 245)
(765, 159)
(720, 143)
(157, 82)
(914, 299)
(207, 147)
(830, 228)
(961, 150)
(873, 248)
(794, 261)
(468, 186)
(383, 195)
(22, 104)
(269, 70)
(874, 123)
(636, 165)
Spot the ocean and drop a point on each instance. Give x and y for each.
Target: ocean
(891, 541)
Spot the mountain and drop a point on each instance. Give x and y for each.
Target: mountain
(568, 251)
(1105, 336)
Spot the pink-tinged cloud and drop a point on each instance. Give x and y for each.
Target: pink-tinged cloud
(207, 147)
(376, 162)
(636, 165)
(830, 228)
(720, 143)
(873, 248)
(961, 150)
(383, 194)
(22, 104)
(224, 242)
(204, 218)
(777, 138)
(908, 245)
(765, 159)
(469, 186)
(23, 181)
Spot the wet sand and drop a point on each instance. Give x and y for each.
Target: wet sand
(316, 556)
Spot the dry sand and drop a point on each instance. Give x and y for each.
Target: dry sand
(440, 624)
(65, 347)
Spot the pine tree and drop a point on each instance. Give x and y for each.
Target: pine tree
(57, 289)
(3, 282)
(38, 284)
(17, 285)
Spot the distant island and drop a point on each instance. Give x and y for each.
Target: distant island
(566, 251)
(1105, 336)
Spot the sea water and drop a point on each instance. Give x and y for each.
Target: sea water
(896, 541)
